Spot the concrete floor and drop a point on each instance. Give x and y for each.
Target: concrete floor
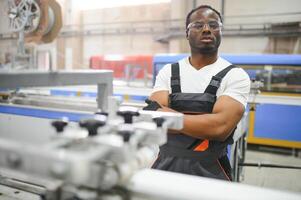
(276, 178)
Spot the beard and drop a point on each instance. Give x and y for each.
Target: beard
(208, 49)
(203, 48)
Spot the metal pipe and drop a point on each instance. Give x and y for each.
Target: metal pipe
(268, 165)
(158, 184)
(223, 10)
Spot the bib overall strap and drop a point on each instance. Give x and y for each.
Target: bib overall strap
(175, 82)
(217, 79)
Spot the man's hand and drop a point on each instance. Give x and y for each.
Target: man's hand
(152, 105)
(161, 97)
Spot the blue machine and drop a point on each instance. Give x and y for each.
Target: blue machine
(239, 59)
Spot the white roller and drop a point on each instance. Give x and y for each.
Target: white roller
(156, 184)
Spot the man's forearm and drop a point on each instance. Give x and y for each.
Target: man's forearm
(205, 126)
(166, 109)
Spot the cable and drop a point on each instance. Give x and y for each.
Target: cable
(259, 165)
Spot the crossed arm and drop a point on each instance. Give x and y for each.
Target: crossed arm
(217, 125)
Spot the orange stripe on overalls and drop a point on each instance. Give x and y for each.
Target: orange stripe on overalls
(203, 146)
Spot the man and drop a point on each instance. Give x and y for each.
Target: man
(210, 92)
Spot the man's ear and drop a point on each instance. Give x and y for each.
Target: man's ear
(187, 32)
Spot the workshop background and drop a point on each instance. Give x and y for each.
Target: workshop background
(136, 38)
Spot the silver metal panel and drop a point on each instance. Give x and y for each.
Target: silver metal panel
(29, 130)
(17, 79)
(8, 193)
(87, 105)
(28, 184)
(102, 78)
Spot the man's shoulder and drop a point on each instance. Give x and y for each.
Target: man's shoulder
(167, 67)
(236, 74)
(184, 60)
(223, 63)
(181, 62)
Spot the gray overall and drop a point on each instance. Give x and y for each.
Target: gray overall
(189, 155)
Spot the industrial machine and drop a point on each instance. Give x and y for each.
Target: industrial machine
(102, 156)
(85, 161)
(100, 153)
(33, 21)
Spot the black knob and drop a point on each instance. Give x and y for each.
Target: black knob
(128, 115)
(59, 125)
(92, 125)
(126, 135)
(159, 121)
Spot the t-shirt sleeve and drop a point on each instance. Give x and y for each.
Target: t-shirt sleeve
(162, 79)
(238, 86)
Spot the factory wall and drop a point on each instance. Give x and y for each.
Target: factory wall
(253, 45)
(258, 12)
(120, 29)
(249, 14)
(128, 37)
(261, 11)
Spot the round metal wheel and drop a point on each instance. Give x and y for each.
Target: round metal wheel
(23, 15)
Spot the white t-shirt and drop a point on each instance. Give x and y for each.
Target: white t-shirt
(235, 84)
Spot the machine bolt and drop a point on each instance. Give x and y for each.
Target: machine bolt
(93, 124)
(128, 113)
(126, 135)
(59, 125)
(159, 121)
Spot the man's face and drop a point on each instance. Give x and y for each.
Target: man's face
(204, 31)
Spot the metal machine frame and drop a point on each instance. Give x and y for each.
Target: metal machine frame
(103, 79)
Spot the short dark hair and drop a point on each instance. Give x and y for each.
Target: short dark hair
(200, 7)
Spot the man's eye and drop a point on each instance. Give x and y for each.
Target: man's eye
(213, 24)
(198, 26)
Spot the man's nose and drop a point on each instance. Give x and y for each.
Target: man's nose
(206, 28)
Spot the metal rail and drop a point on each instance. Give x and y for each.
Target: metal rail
(102, 78)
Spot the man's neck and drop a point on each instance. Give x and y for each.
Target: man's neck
(199, 61)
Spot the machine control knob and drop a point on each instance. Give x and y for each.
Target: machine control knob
(159, 121)
(126, 135)
(128, 113)
(92, 125)
(59, 125)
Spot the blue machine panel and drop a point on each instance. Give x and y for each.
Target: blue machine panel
(264, 59)
(40, 113)
(241, 59)
(54, 92)
(75, 93)
(280, 122)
